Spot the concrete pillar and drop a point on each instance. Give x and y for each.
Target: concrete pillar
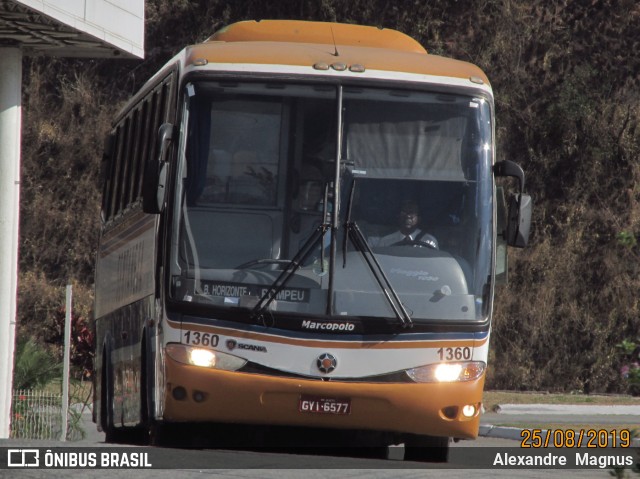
(10, 131)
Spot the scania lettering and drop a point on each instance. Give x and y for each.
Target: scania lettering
(252, 347)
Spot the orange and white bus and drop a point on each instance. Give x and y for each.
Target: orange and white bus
(250, 269)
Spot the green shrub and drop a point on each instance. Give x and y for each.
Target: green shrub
(34, 366)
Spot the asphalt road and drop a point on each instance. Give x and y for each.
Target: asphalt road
(237, 464)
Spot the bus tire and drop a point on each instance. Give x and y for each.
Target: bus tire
(147, 407)
(426, 448)
(157, 434)
(163, 434)
(112, 433)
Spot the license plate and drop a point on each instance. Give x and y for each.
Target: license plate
(324, 405)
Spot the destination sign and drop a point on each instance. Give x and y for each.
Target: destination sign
(238, 290)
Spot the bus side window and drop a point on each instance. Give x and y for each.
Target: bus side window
(118, 165)
(108, 160)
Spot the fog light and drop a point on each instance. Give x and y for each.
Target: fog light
(450, 412)
(469, 410)
(179, 393)
(199, 396)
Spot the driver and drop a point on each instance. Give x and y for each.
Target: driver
(408, 232)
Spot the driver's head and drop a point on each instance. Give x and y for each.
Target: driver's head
(408, 217)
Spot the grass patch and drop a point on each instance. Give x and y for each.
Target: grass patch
(495, 398)
(566, 426)
(79, 391)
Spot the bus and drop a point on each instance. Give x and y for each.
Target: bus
(247, 273)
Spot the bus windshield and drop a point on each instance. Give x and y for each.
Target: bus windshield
(327, 200)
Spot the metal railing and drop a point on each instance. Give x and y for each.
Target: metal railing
(38, 415)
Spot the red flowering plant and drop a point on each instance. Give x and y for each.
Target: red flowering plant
(18, 408)
(630, 369)
(81, 341)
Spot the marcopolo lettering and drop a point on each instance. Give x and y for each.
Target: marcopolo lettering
(332, 326)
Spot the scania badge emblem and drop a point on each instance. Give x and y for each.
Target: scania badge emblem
(326, 363)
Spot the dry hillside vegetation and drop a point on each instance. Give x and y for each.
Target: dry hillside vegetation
(565, 76)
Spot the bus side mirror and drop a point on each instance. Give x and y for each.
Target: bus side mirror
(502, 260)
(519, 220)
(154, 185)
(519, 216)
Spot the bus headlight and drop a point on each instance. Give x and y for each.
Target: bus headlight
(202, 357)
(205, 358)
(447, 372)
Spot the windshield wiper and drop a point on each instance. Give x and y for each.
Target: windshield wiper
(262, 262)
(362, 246)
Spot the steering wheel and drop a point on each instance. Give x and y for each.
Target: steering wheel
(415, 243)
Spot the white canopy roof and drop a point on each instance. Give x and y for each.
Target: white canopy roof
(74, 28)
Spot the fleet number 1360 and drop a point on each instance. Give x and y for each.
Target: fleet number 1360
(201, 339)
(454, 354)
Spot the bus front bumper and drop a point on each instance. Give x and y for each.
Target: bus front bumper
(194, 394)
